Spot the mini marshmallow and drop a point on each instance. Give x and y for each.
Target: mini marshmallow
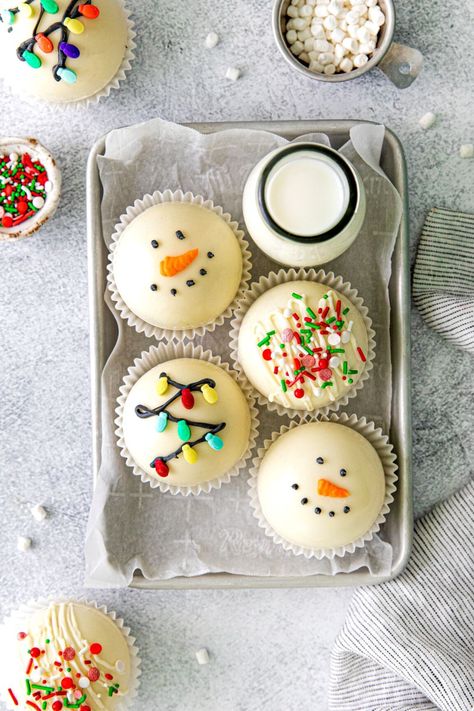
(339, 51)
(297, 47)
(291, 36)
(337, 36)
(299, 23)
(330, 69)
(351, 44)
(306, 11)
(352, 31)
(321, 45)
(346, 65)
(316, 67)
(376, 15)
(372, 27)
(466, 150)
(292, 11)
(363, 35)
(23, 543)
(202, 655)
(304, 57)
(360, 60)
(233, 73)
(308, 45)
(367, 47)
(321, 11)
(304, 34)
(318, 31)
(427, 120)
(211, 40)
(38, 512)
(352, 17)
(334, 8)
(326, 58)
(330, 22)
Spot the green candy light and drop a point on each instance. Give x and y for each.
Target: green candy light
(50, 6)
(32, 59)
(184, 433)
(214, 441)
(7, 16)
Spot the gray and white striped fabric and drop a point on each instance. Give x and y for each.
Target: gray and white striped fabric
(408, 645)
(443, 282)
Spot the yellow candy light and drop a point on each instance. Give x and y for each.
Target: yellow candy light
(210, 395)
(190, 455)
(25, 10)
(74, 26)
(162, 385)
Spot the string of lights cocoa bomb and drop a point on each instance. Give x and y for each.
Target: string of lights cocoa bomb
(296, 356)
(69, 24)
(60, 687)
(184, 391)
(24, 185)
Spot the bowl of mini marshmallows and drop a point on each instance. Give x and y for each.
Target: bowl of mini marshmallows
(334, 40)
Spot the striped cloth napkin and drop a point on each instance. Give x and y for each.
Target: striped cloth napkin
(443, 281)
(408, 645)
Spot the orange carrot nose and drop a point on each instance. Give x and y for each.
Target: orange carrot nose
(170, 266)
(327, 488)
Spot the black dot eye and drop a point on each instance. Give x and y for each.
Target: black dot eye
(210, 255)
(190, 282)
(295, 486)
(346, 509)
(320, 460)
(317, 510)
(342, 472)
(331, 514)
(153, 287)
(173, 292)
(154, 244)
(179, 234)
(202, 272)
(304, 501)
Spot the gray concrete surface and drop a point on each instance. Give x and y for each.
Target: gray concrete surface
(269, 649)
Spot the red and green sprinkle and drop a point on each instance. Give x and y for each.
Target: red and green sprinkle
(24, 184)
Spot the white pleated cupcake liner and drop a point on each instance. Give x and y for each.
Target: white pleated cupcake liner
(330, 280)
(93, 100)
(38, 152)
(136, 209)
(22, 614)
(384, 449)
(149, 359)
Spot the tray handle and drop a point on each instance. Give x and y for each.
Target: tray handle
(402, 64)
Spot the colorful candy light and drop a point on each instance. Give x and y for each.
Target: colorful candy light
(74, 26)
(50, 6)
(89, 11)
(32, 59)
(44, 43)
(69, 75)
(70, 50)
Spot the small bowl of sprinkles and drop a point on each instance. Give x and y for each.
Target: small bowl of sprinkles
(30, 185)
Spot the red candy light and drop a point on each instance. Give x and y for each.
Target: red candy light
(95, 648)
(187, 399)
(44, 43)
(161, 468)
(89, 11)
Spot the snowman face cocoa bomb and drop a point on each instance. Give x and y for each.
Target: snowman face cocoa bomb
(321, 485)
(303, 345)
(177, 265)
(61, 51)
(186, 421)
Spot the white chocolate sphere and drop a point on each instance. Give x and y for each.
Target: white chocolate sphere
(321, 485)
(59, 637)
(277, 315)
(102, 46)
(202, 289)
(145, 443)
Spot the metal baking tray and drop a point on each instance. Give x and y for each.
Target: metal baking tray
(103, 331)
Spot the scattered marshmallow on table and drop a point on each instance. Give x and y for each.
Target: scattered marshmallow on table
(466, 150)
(232, 73)
(202, 655)
(212, 40)
(38, 512)
(427, 120)
(23, 543)
(333, 33)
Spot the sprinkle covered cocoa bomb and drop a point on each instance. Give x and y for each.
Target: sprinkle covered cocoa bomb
(321, 485)
(62, 51)
(303, 345)
(186, 421)
(66, 655)
(177, 265)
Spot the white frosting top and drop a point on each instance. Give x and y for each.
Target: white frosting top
(69, 647)
(299, 345)
(178, 265)
(321, 485)
(102, 46)
(228, 419)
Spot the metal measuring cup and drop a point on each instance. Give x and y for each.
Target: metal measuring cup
(400, 63)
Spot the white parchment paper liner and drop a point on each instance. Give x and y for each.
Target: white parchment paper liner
(38, 151)
(136, 209)
(330, 280)
(149, 359)
(88, 101)
(387, 456)
(22, 614)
